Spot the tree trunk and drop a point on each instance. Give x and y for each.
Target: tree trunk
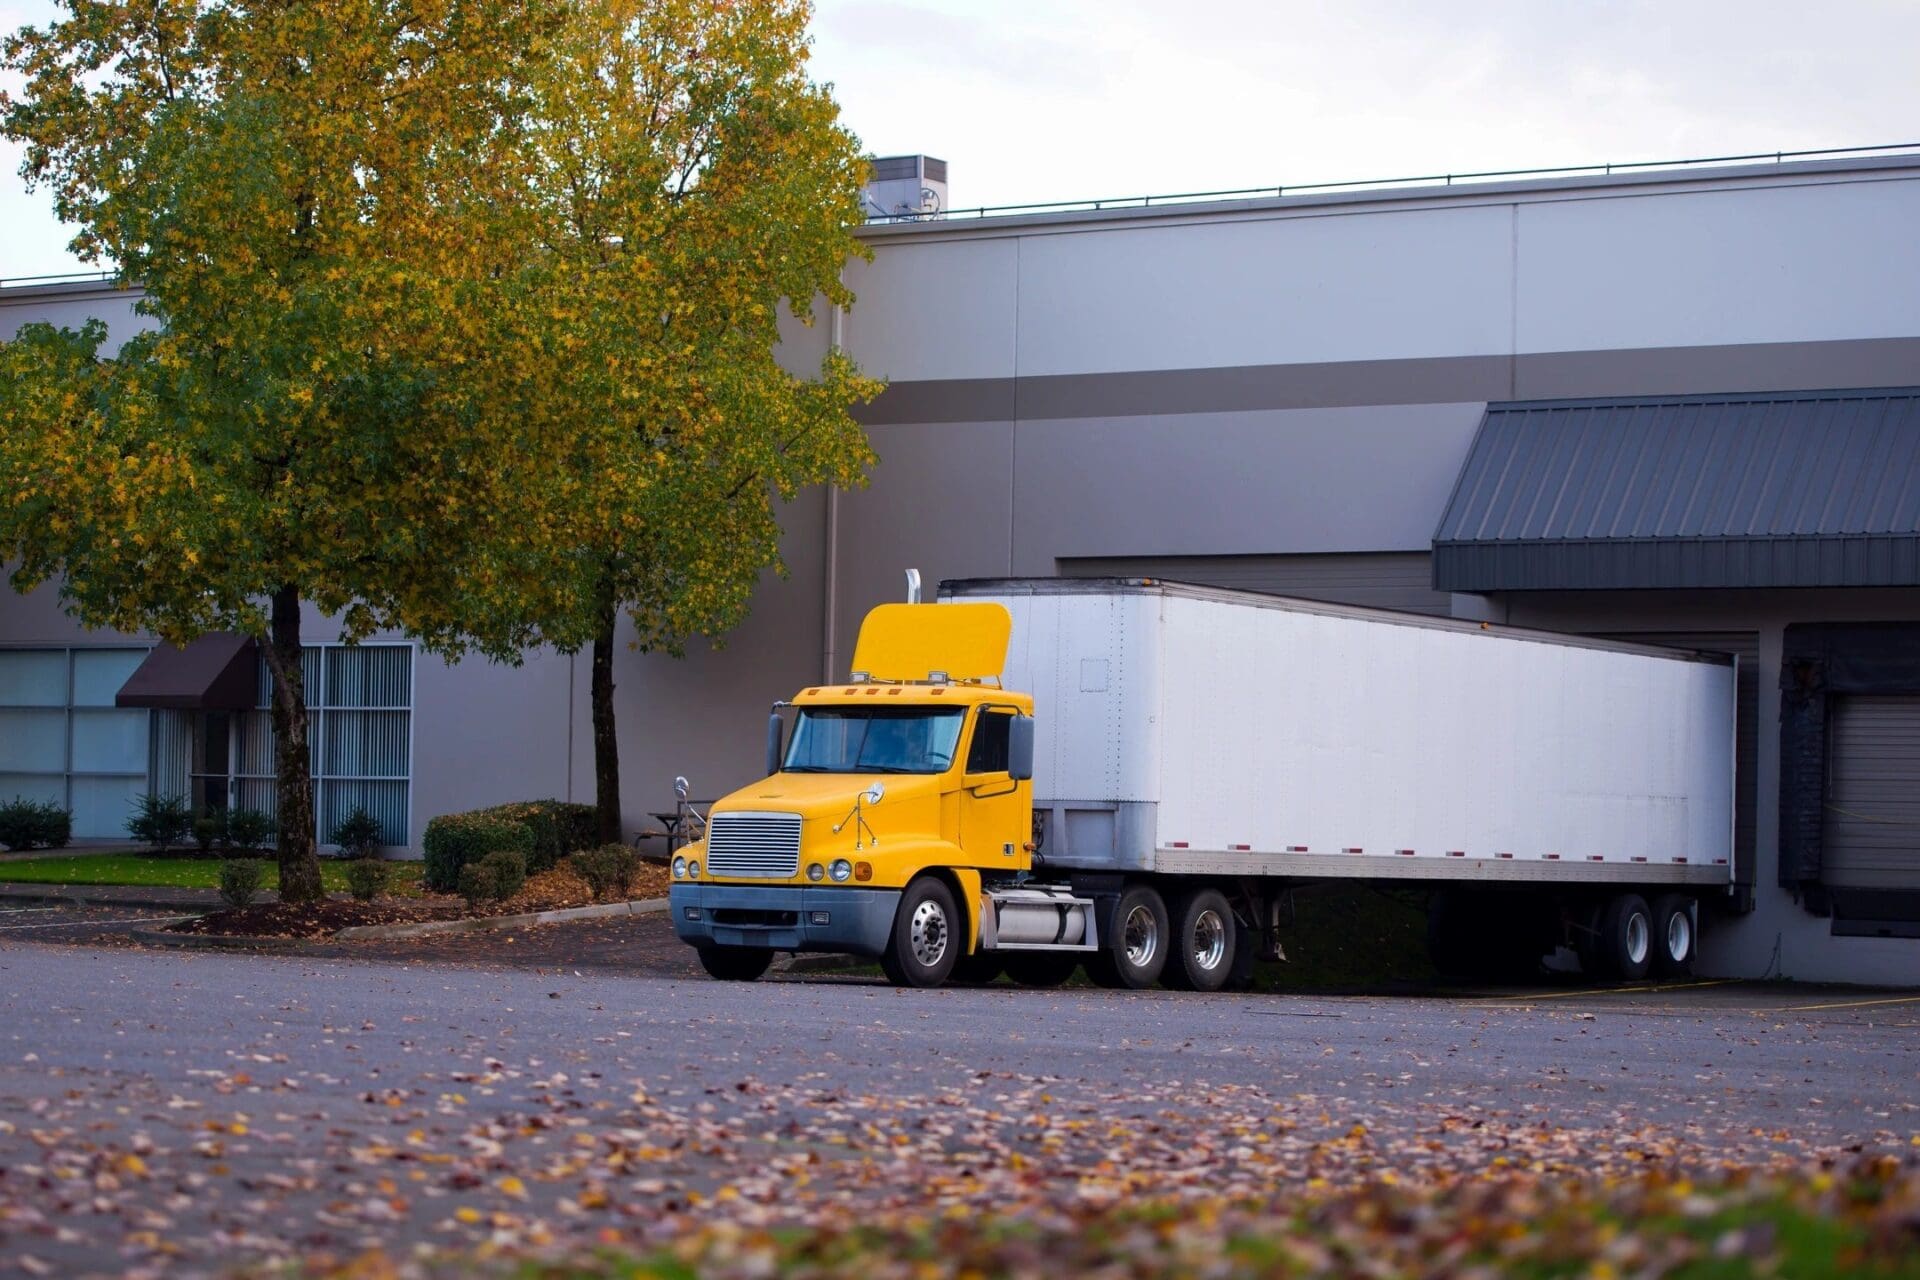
(299, 861)
(606, 742)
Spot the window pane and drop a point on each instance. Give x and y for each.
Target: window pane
(33, 741)
(101, 806)
(368, 676)
(172, 751)
(110, 741)
(29, 786)
(99, 673)
(33, 677)
(386, 801)
(366, 744)
(251, 735)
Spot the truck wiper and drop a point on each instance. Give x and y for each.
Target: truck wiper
(805, 768)
(884, 768)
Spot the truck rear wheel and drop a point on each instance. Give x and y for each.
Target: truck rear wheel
(1625, 943)
(1205, 936)
(926, 940)
(1136, 947)
(735, 964)
(1673, 935)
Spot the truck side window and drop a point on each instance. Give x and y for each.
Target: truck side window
(989, 751)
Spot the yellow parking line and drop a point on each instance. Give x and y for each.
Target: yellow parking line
(1615, 991)
(1850, 1004)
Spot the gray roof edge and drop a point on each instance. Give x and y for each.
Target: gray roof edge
(1706, 397)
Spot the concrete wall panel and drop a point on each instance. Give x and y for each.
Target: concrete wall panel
(1286, 290)
(1769, 264)
(935, 310)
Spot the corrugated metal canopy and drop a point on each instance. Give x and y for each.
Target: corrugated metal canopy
(1791, 489)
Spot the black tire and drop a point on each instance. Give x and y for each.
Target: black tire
(926, 942)
(1205, 939)
(1042, 968)
(1625, 943)
(978, 969)
(1674, 936)
(1134, 953)
(735, 964)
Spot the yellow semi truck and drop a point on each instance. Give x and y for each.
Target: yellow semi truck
(1200, 753)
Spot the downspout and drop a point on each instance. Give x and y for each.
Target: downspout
(830, 588)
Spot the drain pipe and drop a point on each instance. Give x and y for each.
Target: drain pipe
(830, 586)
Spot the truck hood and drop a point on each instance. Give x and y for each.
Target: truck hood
(830, 795)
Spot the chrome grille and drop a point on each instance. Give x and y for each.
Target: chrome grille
(754, 846)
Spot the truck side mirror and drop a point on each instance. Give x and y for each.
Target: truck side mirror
(1020, 748)
(774, 743)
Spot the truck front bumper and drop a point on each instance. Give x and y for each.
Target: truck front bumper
(854, 921)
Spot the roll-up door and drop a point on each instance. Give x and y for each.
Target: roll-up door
(1378, 580)
(1872, 837)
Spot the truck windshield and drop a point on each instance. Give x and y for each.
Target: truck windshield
(858, 740)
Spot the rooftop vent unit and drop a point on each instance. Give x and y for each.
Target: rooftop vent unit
(905, 188)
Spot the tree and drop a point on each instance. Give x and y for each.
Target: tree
(321, 199)
(689, 182)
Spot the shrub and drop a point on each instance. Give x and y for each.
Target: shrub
(608, 870)
(366, 878)
(558, 828)
(161, 821)
(494, 878)
(210, 829)
(454, 840)
(357, 834)
(239, 881)
(34, 824)
(250, 828)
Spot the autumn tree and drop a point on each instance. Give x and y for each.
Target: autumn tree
(690, 182)
(320, 199)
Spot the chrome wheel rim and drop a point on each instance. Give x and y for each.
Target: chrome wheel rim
(1209, 940)
(1638, 937)
(1141, 936)
(1679, 936)
(928, 933)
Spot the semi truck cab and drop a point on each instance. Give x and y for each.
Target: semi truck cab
(895, 815)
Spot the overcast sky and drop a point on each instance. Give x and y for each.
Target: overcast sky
(1035, 100)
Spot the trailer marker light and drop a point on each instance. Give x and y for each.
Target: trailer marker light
(1353, 851)
(1596, 857)
(1551, 857)
(819, 917)
(1503, 855)
(1408, 853)
(1296, 848)
(1719, 862)
(1241, 848)
(1456, 853)
(1637, 858)
(1176, 844)
(1680, 860)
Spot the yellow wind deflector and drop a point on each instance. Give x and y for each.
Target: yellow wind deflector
(912, 641)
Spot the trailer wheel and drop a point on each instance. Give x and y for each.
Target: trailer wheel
(1205, 936)
(735, 964)
(1673, 935)
(1626, 937)
(1136, 947)
(926, 942)
(1042, 968)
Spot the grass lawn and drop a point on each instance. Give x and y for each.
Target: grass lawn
(180, 873)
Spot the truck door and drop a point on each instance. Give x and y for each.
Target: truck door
(995, 820)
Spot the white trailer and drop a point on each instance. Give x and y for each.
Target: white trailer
(1549, 788)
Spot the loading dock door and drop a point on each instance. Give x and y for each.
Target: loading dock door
(1872, 820)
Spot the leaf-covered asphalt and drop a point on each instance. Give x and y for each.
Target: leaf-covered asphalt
(186, 1113)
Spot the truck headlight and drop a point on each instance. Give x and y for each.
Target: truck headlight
(816, 872)
(840, 870)
(679, 868)
(693, 869)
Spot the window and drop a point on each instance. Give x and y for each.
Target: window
(835, 740)
(62, 739)
(990, 742)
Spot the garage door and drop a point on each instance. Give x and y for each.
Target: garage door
(1379, 580)
(1873, 793)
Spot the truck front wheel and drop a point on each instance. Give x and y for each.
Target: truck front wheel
(925, 943)
(1136, 946)
(735, 964)
(1205, 935)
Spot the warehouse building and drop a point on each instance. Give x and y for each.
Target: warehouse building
(1673, 404)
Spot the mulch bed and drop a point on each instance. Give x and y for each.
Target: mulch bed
(548, 891)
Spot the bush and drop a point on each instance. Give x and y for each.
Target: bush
(494, 878)
(608, 870)
(250, 828)
(239, 881)
(366, 878)
(210, 829)
(558, 828)
(456, 840)
(161, 821)
(357, 834)
(34, 824)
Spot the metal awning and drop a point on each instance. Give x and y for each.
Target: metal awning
(1787, 489)
(220, 671)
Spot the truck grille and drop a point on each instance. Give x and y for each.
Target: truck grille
(754, 846)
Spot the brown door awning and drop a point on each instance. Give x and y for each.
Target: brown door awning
(218, 672)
